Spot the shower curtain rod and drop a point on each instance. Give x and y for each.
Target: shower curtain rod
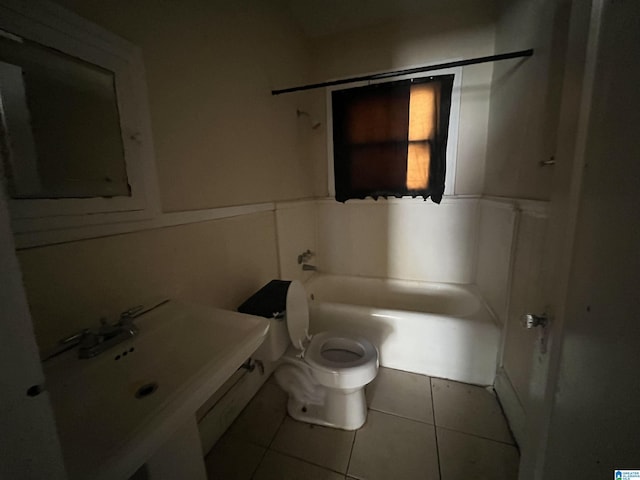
(408, 71)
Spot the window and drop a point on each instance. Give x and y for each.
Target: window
(390, 139)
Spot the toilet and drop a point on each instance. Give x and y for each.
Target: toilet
(324, 374)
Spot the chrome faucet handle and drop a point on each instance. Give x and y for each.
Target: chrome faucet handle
(90, 339)
(106, 329)
(75, 338)
(132, 312)
(126, 324)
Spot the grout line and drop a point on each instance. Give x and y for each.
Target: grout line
(255, 470)
(433, 424)
(304, 460)
(264, 454)
(403, 418)
(270, 447)
(353, 442)
(480, 436)
(504, 415)
(435, 429)
(277, 430)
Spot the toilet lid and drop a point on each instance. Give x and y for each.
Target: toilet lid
(297, 314)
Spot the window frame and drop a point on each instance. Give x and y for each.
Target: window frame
(454, 120)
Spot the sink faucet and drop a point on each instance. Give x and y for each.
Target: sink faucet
(94, 342)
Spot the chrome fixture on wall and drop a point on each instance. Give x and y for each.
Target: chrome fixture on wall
(305, 256)
(314, 123)
(529, 320)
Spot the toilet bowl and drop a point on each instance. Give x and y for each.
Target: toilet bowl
(324, 374)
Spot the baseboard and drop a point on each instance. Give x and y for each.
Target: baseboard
(511, 405)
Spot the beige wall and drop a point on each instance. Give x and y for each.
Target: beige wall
(220, 263)
(525, 99)
(220, 137)
(421, 41)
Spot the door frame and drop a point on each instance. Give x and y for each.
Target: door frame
(573, 125)
(29, 442)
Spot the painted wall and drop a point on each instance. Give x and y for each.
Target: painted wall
(220, 139)
(407, 239)
(221, 263)
(525, 98)
(421, 40)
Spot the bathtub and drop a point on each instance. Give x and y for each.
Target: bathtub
(436, 329)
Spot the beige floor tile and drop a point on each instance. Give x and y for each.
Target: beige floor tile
(401, 393)
(469, 409)
(327, 447)
(233, 459)
(390, 447)
(276, 466)
(465, 456)
(260, 420)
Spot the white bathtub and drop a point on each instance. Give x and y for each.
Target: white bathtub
(436, 329)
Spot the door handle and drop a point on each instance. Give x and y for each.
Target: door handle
(530, 320)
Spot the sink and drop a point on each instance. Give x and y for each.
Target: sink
(115, 410)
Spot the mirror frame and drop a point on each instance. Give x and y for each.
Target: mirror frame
(53, 26)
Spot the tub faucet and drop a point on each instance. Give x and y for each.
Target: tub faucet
(306, 266)
(305, 256)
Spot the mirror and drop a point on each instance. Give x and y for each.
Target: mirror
(60, 130)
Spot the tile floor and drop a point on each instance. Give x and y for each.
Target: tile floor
(417, 428)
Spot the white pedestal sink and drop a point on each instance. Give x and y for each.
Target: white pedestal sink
(115, 411)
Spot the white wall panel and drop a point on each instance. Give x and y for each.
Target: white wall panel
(296, 230)
(494, 252)
(404, 238)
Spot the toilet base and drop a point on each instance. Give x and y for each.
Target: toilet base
(344, 409)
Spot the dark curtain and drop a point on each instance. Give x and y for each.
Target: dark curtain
(371, 139)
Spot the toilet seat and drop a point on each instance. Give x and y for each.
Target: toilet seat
(335, 351)
(297, 309)
(341, 361)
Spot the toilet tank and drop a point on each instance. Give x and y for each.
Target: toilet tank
(271, 302)
(277, 340)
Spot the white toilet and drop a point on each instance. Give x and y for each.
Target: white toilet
(324, 374)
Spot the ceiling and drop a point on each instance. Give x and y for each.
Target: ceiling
(325, 17)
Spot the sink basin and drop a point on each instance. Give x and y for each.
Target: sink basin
(114, 411)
